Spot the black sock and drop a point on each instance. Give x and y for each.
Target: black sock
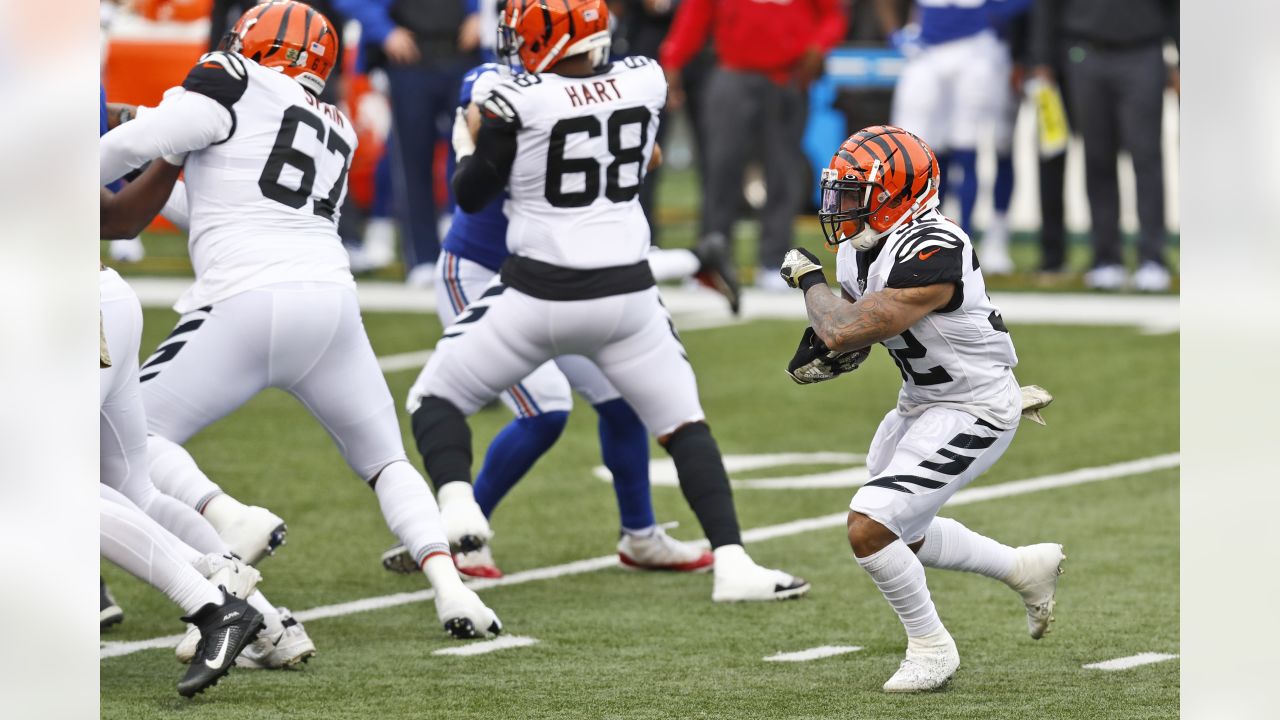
(444, 439)
(705, 483)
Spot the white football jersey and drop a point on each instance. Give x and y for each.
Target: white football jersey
(960, 355)
(582, 148)
(264, 203)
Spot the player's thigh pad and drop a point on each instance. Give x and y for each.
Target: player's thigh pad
(941, 451)
(587, 379)
(491, 347)
(322, 356)
(646, 362)
(214, 361)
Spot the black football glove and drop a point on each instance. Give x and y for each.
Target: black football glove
(814, 362)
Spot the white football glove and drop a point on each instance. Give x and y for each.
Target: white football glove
(463, 144)
(799, 263)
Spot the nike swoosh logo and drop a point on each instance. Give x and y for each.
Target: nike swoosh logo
(222, 652)
(926, 256)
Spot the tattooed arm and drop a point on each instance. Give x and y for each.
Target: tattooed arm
(843, 325)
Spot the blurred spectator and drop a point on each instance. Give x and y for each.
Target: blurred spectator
(425, 46)
(953, 89)
(1113, 55)
(755, 99)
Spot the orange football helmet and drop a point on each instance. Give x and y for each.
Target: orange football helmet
(291, 37)
(544, 32)
(881, 177)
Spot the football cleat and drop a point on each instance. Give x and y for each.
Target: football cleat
(1035, 577)
(110, 612)
(660, 551)
(717, 271)
(465, 616)
(283, 650)
(225, 630)
(930, 663)
(399, 560)
(465, 525)
(477, 563)
(1151, 277)
(254, 534)
(739, 579)
(229, 573)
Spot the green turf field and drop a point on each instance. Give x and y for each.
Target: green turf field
(617, 644)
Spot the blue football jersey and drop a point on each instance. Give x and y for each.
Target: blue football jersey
(946, 20)
(480, 237)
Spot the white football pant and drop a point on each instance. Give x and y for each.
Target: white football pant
(917, 463)
(951, 93)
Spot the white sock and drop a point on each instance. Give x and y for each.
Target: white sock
(949, 545)
(442, 574)
(410, 511)
(996, 235)
(140, 546)
(222, 510)
(672, 264)
(271, 624)
(175, 472)
(900, 577)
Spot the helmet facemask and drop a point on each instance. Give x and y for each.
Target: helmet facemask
(847, 206)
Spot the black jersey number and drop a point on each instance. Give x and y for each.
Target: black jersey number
(284, 153)
(558, 166)
(915, 350)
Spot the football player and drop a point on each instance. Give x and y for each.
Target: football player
(571, 139)
(123, 470)
(274, 303)
(473, 252)
(910, 282)
(954, 87)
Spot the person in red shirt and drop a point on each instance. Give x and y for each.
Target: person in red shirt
(768, 52)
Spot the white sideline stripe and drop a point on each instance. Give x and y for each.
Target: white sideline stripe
(1133, 661)
(501, 642)
(795, 527)
(816, 653)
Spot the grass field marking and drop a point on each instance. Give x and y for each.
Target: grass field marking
(662, 471)
(1132, 661)
(502, 642)
(794, 527)
(817, 653)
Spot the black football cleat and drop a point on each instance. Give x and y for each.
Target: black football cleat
(717, 271)
(225, 630)
(111, 612)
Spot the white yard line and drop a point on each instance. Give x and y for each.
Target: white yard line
(502, 642)
(795, 527)
(696, 308)
(1132, 661)
(817, 653)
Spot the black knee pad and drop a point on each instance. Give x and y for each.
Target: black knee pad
(443, 438)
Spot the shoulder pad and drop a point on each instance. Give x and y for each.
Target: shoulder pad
(497, 109)
(219, 75)
(927, 256)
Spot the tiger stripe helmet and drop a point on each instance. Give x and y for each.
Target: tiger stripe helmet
(544, 32)
(881, 177)
(291, 37)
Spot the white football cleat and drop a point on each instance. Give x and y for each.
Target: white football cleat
(929, 664)
(188, 644)
(229, 573)
(738, 578)
(283, 650)
(254, 534)
(464, 615)
(1106, 277)
(465, 526)
(1035, 578)
(660, 551)
(1151, 277)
